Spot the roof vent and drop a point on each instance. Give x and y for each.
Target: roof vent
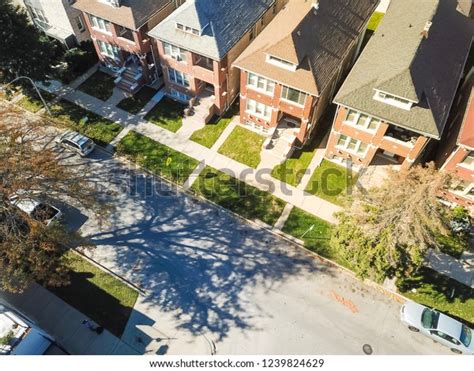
(426, 29)
(316, 4)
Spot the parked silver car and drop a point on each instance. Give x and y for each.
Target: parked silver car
(76, 142)
(439, 327)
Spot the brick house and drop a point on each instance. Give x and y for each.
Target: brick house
(119, 31)
(198, 43)
(57, 19)
(395, 103)
(456, 155)
(291, 71)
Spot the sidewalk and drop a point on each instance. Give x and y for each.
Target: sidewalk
(64, 323)
(259, 179)
(458, 270)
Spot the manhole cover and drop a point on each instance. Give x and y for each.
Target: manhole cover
(367, 349)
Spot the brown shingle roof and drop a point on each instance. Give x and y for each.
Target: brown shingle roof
(132, 14)
(316, 40)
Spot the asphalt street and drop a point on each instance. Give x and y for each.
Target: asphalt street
(216, 284)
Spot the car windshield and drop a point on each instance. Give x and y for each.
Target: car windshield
(429, 318)
(466, 335)
(43, 213)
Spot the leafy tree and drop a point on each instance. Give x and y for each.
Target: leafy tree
(29, 168)
(24, 51)
(388, 231)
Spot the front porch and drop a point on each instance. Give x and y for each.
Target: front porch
(379, 169)
(281, 141)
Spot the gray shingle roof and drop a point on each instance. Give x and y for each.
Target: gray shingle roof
(400, 60)
(132, 14)
(317, 41)
(222, 23)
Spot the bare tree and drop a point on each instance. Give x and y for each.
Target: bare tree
(388, 230)
(29, 168)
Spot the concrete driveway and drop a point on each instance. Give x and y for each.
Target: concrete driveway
(214, 284)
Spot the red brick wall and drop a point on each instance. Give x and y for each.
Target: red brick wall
(278, 105)
(375, 140)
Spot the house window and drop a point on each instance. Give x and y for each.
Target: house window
(179, 96)
(465, 189)
(293, 95)
(393, 100)
(252, 33)
(178, 77)
(37, 15)
(362, 121)
(187, 29)
(259, 109)
(175, 52)
(469, 160)
(281, 63)
(108, 49)
(80, 24)
(99, 23)
(260, 83)
(352, 145)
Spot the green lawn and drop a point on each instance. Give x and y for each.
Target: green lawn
(136, 103)
(209, 134)
(315, 232)
(244, 146)
(99, 85)
(238, 197)
(374, 21)
(156, 157)
(98, 295)
(168, 114)
(438, 291)
(331, 182)
(100, 129)
(32, 101)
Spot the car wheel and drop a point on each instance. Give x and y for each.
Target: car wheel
(414, 329)
(457, 351)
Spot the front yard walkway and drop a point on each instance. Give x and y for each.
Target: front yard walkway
(287, 193)
(447, 265)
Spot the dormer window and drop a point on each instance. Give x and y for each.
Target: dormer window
(187, 29)
(281, 63)
(393, 100)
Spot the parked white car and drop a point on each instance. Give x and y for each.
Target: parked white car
(439, 327)
(39, 211)
(76, 142)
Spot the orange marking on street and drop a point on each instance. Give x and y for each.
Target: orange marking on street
(346, 302)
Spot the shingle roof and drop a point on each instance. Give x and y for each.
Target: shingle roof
(132, 14)
(400, 60)
(317, 41)
(221, 22)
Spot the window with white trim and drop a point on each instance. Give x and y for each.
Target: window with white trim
(281, 63)
(352, 145)
(37, 14)
(80, 24)
(361, 121)
(260, 83)
(469, 160)
(178, 77)
(293, 95)
(188, 29)
(175, 52)
(393, 100)
(108, 49)
(259, 109)
(99, 23)
(465, 189)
